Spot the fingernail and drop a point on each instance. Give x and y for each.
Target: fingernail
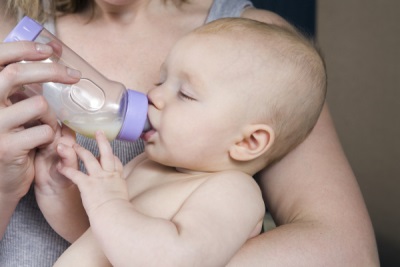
(42, 48)
(73, 73)
(76, 145)
(60, 147)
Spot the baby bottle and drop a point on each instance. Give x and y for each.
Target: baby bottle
(94, 103)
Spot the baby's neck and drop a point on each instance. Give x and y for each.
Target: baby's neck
(188, 171)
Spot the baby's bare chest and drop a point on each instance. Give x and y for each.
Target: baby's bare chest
(161, 196)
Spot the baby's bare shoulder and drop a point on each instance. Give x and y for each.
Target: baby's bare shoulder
(233, 183)
(232, 177)
(219, 200)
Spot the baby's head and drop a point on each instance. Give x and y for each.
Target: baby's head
(257, 91)
(283, 78)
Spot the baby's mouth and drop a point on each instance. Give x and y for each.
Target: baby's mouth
(148, 131)
(147, 125)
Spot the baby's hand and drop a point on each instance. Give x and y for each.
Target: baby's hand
(104, 182)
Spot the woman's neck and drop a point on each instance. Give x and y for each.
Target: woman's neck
(122, 13)
(125, 11)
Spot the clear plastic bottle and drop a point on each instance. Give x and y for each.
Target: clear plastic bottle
(95, 102)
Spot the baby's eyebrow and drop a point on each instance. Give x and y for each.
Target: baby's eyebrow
(163, 71)
(163, 66)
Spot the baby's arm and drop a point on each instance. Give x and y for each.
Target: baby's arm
(84, 252)
(59, 198)
(211, 225)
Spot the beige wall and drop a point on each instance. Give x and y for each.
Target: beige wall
(361, 43)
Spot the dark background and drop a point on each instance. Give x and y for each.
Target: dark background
(301, 13)
(360, 42)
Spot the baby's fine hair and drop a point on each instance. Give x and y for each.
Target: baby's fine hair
(292, 105)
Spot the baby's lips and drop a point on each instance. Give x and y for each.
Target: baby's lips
(146, 135)
(146, 129)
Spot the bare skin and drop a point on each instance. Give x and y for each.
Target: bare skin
(177, 214)
(312, 193)
(34, 126)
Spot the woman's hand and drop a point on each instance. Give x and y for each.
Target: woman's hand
(58, 197)
(48, 181)
(18, 140)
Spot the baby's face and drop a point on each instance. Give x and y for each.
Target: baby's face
(198, 108)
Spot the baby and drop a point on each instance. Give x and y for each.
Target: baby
(234, 96)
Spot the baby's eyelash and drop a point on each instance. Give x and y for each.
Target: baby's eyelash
(158, 83)
(185, 96)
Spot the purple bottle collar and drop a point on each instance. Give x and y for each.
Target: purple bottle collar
(135, 117)
(26, 30)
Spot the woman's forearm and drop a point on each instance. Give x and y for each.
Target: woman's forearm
(64, 212)
(316, 202)
(307, 244)
(7, 207)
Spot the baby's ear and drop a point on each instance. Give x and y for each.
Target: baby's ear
(256, 140)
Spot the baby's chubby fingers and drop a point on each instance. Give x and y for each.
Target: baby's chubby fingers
(91, 163)
(68, 136)
(107, 159)
(68, 157)
(118, 165)
(76, 176)
(68, 164)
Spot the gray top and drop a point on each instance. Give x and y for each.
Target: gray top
(29, 241)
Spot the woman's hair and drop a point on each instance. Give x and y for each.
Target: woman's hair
(41, 10)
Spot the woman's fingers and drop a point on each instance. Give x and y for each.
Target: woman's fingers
(23, 50)
(20, 65)
(31, 109)
(28, 139)
(15, 75)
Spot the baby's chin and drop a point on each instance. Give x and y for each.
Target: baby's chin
(179, 165)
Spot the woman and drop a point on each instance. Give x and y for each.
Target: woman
(312, 193)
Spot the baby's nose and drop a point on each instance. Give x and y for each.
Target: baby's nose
(155, 98)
